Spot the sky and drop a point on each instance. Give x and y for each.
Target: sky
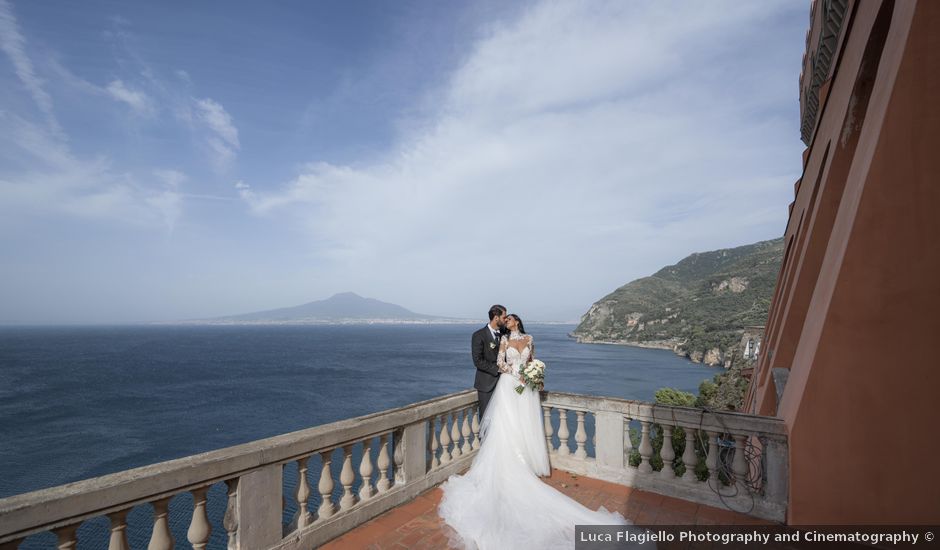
(174, 160)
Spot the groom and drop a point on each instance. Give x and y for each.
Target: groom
(484, 348)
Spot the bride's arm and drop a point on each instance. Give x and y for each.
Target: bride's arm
(501, 358)
(531, 348)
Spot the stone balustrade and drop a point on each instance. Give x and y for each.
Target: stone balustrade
(304, 488)
(742, 457)
(361, 467)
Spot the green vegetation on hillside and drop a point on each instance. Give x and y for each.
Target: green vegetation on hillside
(701, 304)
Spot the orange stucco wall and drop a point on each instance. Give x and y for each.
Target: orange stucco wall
(856, 318)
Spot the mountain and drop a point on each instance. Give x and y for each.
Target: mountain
(345, 307)
(700, 307)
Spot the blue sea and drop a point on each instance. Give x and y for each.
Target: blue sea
(79, 402)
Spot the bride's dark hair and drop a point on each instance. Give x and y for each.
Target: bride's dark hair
(518, 320)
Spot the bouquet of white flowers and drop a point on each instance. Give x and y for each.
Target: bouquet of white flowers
(533, 375)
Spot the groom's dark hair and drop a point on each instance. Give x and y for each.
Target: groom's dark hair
(496, 310)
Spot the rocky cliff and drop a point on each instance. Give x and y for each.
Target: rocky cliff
(699, 307)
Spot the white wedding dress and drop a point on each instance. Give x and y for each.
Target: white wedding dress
(500, 503)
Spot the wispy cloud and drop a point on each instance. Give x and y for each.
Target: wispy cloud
(13, 45)
(218, 120)
(138, 100)
(169, 200)
(211, 126)
(171, 178)
(56, 180)
(117, 90)
(44, 174)
(223, 135)
(244, 190)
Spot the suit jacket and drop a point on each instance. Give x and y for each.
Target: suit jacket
(484, 359)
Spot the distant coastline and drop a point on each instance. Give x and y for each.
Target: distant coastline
(657, 344)
(340, 322)
(304, 322)
(310, 322)
(345, 308)
(648, 345)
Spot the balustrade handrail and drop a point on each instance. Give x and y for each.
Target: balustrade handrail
(686, 417)
(85, 499)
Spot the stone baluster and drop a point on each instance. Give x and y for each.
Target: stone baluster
(230, 519)
(465, 432)
(475, 427)
(118, 539)
(199, 527)
(365, 471)
(399, 454)
(445, 441)
(646, 448)
(302, 516)
(455, 434)
(580, 436)
(547, 413)
(711, 461)
(689, 458)
(326, 509)
(67, 538)
(283, 496)
(667, 453)
(346, 479)
(627, 442)
(383, 482)
(435, 445)
(161, 538)
(739, 464)
(563, 434)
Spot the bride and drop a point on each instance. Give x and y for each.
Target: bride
(501, 502)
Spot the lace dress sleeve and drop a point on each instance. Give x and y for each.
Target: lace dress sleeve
(501, 358)
(531, 348)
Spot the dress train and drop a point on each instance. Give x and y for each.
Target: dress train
(500, 502)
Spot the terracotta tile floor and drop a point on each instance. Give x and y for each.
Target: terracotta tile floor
(417, 525)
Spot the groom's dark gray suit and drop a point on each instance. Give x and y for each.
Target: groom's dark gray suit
(484, 349)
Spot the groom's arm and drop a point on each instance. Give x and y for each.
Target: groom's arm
(476, 351)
